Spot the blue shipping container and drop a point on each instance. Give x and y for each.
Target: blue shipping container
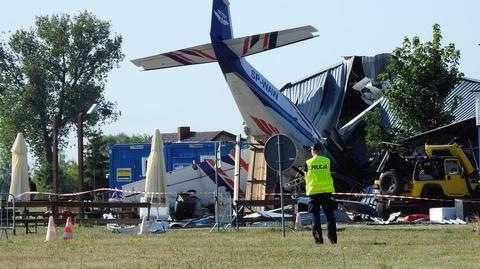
(128, 162)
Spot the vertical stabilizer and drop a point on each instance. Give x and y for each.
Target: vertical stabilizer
(221, 28)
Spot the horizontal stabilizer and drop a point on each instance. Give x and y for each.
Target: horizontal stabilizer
(194, 55)
(249, 45)
(242, 46)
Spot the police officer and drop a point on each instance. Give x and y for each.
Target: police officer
(319, 187)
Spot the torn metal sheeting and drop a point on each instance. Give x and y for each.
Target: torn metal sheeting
(391, 219)
(358, 207)
(152, 227)
(305, 217)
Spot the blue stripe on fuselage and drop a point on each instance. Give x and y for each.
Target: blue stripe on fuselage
(229, 63)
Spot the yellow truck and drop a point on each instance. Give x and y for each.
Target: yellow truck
(443, 171)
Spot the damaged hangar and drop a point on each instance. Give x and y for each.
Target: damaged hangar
(336, 98)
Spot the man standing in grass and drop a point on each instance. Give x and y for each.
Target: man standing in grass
(319, 187)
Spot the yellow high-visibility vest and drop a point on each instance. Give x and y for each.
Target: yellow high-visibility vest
(319, 179)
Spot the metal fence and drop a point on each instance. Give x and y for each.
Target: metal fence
(7, 215)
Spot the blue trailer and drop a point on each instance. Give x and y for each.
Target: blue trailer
(128, 162)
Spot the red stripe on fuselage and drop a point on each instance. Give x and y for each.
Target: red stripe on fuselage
(260, 125)
(275, 130)
(268, 126)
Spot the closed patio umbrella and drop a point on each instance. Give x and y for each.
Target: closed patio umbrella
(19, 181)
(155, 179)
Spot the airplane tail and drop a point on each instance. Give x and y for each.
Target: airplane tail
(221, 27)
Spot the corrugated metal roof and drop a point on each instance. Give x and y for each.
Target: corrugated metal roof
(374, 65)
(320, 96)
(465, 109)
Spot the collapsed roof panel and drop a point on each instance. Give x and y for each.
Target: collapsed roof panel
(335, 96)
(320, 96)
(375, 65)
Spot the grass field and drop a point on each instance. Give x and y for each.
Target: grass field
(360, 246)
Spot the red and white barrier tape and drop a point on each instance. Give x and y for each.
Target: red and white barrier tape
(211, 193)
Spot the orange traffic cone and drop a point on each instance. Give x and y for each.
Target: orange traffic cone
(68, 232)
(298, 222)
(51, 231)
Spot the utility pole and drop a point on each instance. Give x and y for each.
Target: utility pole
(54, 198)
(80, 155)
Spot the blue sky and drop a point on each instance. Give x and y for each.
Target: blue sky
(198, 96)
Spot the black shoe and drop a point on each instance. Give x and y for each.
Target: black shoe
(332, 241)
(318, 238)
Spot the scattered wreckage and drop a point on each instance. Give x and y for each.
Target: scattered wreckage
(337, 98)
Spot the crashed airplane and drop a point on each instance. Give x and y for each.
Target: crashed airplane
(308, 111)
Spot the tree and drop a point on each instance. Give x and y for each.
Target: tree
(59, 67)
(96, 160)
(96, 156)
(375, 132)
(5, 175)
(67, 174)
(122, 138)
(420, 76)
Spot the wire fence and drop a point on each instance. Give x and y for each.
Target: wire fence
(7, 214)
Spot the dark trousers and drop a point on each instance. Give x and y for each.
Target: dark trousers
(329, 205)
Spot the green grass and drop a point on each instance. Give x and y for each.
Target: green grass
(360, 246)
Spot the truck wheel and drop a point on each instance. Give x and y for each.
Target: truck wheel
(390, 183)
(381, 210)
